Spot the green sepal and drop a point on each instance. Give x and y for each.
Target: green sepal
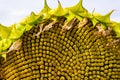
(45, 11)
(70, 16)
(103, 26)
(4, 31)
(94, 21)
(0, 38)
(79, 17)
(3, 55)
(46, 7)
(28, 27)
(59, 11)
(92, 18)
(5, 44)
(116, 27)
(17, 31)
(78, 9)
(32, 19)
(103, 18)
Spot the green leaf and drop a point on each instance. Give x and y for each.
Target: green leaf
(4, 32)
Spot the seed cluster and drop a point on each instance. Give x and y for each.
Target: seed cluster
(75, 54)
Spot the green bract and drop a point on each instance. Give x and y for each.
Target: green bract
(9, 34)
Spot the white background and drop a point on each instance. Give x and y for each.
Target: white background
(12, 11)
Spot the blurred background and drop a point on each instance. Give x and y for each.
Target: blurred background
(12, 11)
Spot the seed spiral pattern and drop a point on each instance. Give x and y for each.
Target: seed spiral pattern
(75, 54)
